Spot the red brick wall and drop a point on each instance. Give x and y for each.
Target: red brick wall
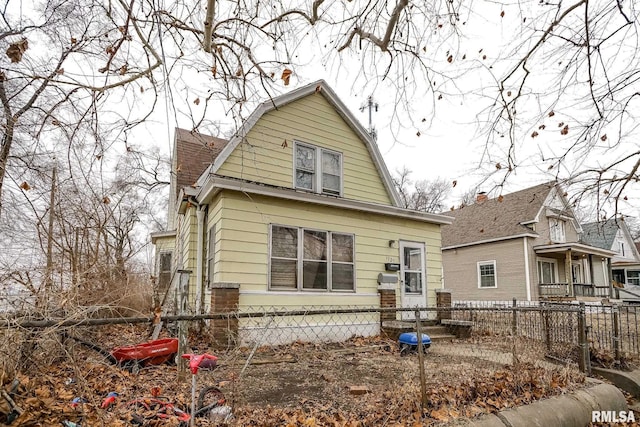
(443, 300)
(387, 300)
(224, 299)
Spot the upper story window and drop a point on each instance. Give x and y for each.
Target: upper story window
(556, 230)
(318, 169)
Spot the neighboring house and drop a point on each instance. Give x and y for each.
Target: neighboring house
(297, 209)
(524, 245)
(614, 235)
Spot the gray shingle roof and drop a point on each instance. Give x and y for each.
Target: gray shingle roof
(194, 153)
(600, 234)
(495, 218)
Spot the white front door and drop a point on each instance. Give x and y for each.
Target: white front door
(412, 277)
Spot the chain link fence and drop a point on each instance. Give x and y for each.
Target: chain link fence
(477, 360)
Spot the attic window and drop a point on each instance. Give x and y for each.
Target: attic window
(557, 230)
(317, 169)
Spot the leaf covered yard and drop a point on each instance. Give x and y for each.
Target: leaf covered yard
(362, 382)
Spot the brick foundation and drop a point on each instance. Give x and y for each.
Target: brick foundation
(224, 299)
(443, 301)
(387, 300)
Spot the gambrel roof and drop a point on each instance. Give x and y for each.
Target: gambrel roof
(320, 88)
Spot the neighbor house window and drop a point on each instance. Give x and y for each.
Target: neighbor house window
(556, 230)
(304, 259)
(317, 169)
(633, 277)
(487, 274)
(164, 270)
(547, 271)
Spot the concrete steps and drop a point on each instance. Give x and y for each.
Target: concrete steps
(394, 328)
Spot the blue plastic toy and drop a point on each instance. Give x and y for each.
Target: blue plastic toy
(408, 342)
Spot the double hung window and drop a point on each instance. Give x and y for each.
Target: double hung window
(317, 169)
(487, 274)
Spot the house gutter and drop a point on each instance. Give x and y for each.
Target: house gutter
(497, 239)
(199, 259)
(216, 183)
(527, 278)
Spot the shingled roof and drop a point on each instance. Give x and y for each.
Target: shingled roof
(194, 153)
(600, 234)
(497, 218)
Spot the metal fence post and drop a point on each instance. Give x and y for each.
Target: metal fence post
(547, 328)
(616, 333)
(183, 326)
(514, 331)
(584, 361)
(423, 381)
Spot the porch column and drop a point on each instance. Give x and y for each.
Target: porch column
(567, 272)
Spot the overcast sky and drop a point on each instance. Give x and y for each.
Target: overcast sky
(432, 137)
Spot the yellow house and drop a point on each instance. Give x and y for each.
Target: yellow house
(297, 209)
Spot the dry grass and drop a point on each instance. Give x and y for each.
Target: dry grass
(300, 384)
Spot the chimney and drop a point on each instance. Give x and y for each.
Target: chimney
(481, 197)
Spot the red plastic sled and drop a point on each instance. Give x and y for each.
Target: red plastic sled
(149, 353)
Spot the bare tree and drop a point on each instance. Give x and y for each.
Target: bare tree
(567, 83)
(421, 195)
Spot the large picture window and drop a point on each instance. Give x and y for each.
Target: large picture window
(317, 169)
(487, 274)
(311, 260)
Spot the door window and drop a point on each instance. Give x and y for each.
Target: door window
(412, 259)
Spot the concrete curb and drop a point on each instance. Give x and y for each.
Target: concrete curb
(570, 410)
(628, 381)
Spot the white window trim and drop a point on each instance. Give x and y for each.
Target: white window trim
(555, 270)
(626, 275)
(300, 262)
(562, 226)
(317, 182)
(495, 274)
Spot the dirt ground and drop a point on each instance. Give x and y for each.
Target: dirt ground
(296, 385)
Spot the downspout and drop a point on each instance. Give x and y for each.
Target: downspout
(199, 260)
(527, 279)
